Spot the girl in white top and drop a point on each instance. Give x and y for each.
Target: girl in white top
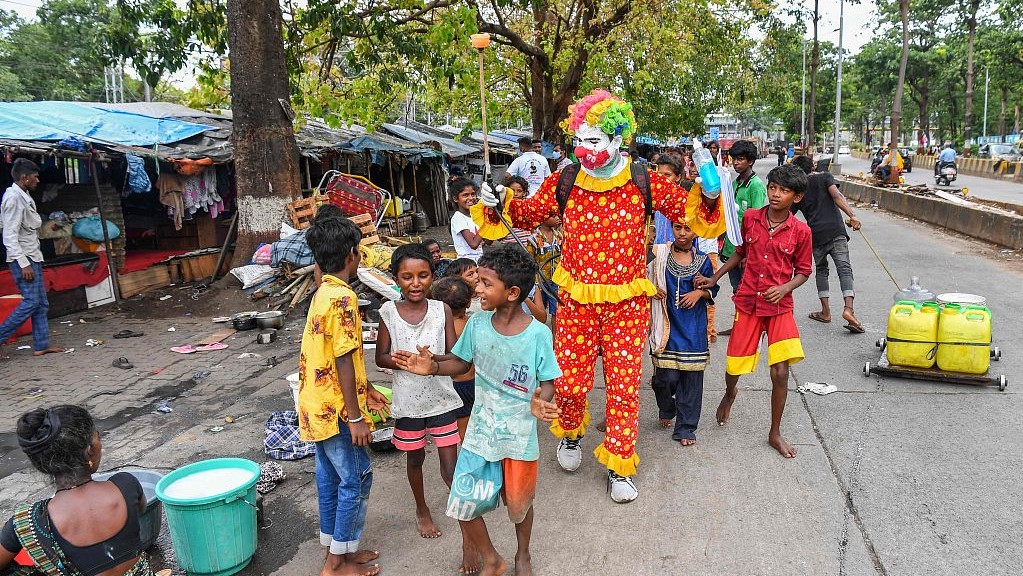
(464, 232)
(421, 404)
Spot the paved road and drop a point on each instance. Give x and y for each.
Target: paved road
(893, 477)
(987, 188)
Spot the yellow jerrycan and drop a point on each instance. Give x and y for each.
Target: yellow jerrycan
(964, 337)
(912, 334)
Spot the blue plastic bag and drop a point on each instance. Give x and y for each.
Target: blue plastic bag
(90, 229)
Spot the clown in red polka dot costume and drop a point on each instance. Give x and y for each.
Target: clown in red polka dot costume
(602, 279)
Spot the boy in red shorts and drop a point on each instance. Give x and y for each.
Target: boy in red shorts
(777, 250)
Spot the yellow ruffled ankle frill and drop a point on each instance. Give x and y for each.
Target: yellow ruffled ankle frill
(560, 432)
(615, 463)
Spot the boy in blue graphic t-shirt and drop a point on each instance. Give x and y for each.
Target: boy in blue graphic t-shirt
(515, 370)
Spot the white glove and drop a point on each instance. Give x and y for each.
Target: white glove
(491, 197)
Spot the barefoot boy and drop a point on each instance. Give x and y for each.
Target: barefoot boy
(334, 398)
(777, 251)
(515, 371)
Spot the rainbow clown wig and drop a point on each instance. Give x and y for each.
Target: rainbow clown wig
(602, 110)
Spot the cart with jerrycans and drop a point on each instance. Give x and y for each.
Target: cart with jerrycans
(944, 341)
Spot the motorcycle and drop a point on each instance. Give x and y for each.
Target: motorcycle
(946, 174)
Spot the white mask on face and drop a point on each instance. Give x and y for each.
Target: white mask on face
(594, 148)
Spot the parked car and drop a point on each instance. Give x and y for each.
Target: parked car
(1006, 152)
(843, 150)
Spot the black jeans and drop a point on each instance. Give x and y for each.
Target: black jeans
(679, 395)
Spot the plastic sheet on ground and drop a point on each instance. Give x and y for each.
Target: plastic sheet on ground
(253, 274)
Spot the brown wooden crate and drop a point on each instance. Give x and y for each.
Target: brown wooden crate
(138, 282)
(195, 268)
(369, 240)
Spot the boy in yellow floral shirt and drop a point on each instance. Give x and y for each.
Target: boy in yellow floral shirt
(334, 396)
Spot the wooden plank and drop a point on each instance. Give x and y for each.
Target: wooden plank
(369, 240)
(218, 336)
(206, 228)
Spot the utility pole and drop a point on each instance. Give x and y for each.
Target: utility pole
(836, 168)
(802, 108)
(987, 83)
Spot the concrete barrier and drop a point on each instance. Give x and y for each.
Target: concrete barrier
(1002, 229)
(973, 166)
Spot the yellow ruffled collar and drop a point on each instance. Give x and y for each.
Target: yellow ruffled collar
(592, 184)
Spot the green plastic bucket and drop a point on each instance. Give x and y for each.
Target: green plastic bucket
(213, 535)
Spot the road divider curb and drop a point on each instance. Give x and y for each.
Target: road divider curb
(998, 228)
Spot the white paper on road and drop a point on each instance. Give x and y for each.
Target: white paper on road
(818, 388)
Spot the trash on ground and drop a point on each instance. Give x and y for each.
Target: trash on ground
(270, 362)
(270, 473)
(167, 297)
(267, 337)
(69, 350)
(200, 375)
(164, 407)
(26, 347)
(244, 355)
(216, 429)
(123, 363)
(819, 388)
(282, 437)
(92, 342)
(34, 393)
(229, 419)
(221, 319)
(172, 329)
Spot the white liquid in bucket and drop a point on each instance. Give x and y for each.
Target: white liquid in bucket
(208, 483)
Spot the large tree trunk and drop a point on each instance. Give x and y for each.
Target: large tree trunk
(815, 63)
(896, 121)
(971, 23)
(265, 153)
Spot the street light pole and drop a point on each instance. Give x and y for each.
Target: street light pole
(802, 108)
(987, 81)
(838, 89)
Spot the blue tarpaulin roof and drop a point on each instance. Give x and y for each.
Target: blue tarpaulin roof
(58, 120)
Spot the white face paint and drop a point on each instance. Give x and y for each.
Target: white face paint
(592, 141)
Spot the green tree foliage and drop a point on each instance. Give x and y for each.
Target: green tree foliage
(937, 68)
(61, 55)
(362, 62)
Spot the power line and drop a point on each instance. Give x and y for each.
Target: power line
(21, 4)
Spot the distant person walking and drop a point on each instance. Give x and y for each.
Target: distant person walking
(530, 166)
(21, 224)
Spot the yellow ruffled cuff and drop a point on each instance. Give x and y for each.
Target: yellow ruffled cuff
(575, 433)
(488, 229)
(591, 184)
(615, 463)
(694, 210)
(584, 293)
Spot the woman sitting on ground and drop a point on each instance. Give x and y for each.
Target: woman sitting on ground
(88, 527)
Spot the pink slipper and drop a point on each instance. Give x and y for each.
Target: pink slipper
(186, 349)
(212, 347)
